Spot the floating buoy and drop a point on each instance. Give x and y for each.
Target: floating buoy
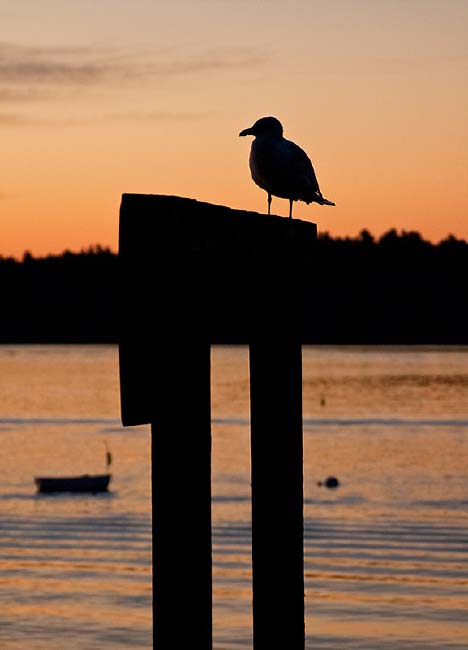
(330, 482)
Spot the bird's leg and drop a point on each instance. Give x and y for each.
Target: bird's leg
(269, 202)
(290, 208)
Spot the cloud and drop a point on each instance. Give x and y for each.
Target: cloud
(214, 59)
(81, 66)
(136, 117)
(32, 65)
(17, 119)
(9, 95)
(32, 74)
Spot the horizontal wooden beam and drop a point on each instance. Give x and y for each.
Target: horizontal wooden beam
(191, 225)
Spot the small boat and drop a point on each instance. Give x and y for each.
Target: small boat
(91, 483)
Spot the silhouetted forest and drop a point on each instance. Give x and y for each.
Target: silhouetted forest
(393, 290)
(69, 298)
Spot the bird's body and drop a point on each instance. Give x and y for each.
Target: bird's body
(280, 166)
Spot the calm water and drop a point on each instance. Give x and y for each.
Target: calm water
(386, 553)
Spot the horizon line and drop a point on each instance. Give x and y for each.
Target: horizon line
(363, 233)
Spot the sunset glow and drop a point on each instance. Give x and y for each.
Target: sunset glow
(101, 99)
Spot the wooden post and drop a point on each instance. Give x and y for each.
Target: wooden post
(194, 274)
(181, 490)
(277, 455)
(277, 495)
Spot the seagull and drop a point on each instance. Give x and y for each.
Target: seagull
(281, 167)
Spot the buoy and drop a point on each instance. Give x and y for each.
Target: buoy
(330, 482)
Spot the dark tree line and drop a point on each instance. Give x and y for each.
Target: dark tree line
(397, 289)
(68, 298)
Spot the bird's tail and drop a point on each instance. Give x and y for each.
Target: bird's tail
(323, 201)
(316, 197)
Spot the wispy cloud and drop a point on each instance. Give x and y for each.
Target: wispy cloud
(30, 75)
(33, 65)
(17, 119)
(76, 66)
(19, 95)
(214, 59)
(136, 117)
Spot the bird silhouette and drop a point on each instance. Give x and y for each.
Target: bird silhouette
(281, 167)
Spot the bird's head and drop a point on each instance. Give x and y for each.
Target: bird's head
(265, 126)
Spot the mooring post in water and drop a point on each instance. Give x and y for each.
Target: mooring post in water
(194, 274)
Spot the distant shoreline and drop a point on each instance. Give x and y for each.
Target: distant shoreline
(397, 290)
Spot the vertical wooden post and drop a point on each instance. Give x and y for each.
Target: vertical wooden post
(277, 466)
(192, 274)
(181, 468)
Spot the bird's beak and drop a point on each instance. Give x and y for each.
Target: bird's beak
(246, 132)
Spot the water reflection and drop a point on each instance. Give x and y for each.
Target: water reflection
(385, 554)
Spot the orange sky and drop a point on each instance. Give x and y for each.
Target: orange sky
(97, 99)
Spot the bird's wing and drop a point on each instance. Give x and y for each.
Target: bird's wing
(300, 167)
(283, 169)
